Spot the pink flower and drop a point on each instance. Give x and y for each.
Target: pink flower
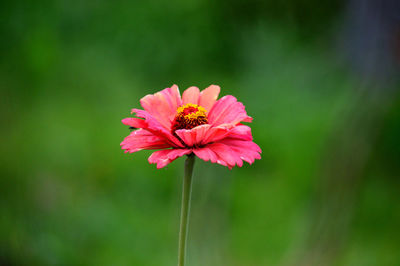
(195, 123)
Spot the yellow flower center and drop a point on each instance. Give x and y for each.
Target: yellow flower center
(189, 116)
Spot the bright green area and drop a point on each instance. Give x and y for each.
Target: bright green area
(71, 70)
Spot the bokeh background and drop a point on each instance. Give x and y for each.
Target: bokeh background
(320, 78)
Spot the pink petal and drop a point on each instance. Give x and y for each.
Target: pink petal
(204, 134)
(143, 139)
(134, 122)
(250, 145)
(241, 132)
(226, 156)
(248, 119)
(154, 126)
(228, 110)
(162, 105)
(195, 136)
(214, 134)
(206, 154)
(229, 152)
(209, 96)
(246, 150)
(164, 157)
(191, 95)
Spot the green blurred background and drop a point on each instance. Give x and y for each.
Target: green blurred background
(319, 78)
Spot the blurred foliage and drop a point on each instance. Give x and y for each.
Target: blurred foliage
(71, 70)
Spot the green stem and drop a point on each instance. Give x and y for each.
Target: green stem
(185, 208)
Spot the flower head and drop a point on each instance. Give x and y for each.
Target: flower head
(195, 123)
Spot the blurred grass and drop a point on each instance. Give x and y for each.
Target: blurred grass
(68, 194)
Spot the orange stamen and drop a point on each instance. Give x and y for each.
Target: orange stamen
(189, 116)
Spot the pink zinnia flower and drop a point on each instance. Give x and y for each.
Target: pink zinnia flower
(195, 123)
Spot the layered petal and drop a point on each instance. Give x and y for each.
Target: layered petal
(229, 152)
(215, 134)
(134, 122)
(164, 157)
(162, 105)
(204, 134)
(142, 139)
(209, 96)
(241, 132)
(226, 155)
(228, 110)
(247, 150)
(206, 154)
(195, 136)
(154, 126)
(191, 95)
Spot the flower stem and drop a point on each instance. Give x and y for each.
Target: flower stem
(185, 208)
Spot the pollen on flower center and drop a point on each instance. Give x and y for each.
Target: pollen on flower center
(189, 116)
